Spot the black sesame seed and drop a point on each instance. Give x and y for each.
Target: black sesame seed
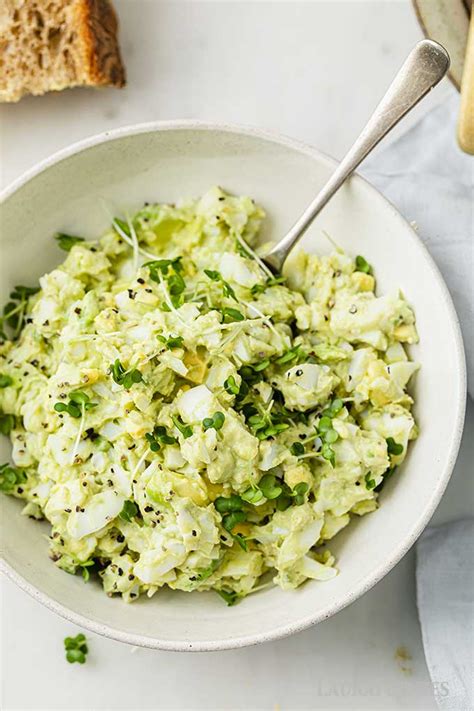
(140, 280)
(148, 509)
(120, 571)
(120, 538)
(130, 577)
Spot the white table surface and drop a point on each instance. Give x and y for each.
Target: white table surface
(312, 70)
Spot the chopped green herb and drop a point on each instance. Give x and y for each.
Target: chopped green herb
(129, 510)
(76, 649)
(67, 242)
(186, 430)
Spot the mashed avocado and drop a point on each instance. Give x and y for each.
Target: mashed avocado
(183, 417)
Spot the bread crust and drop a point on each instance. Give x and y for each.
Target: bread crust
(98, 25)
(51, 45)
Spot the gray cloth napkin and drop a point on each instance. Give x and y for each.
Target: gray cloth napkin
(445, 597)
(431, 181)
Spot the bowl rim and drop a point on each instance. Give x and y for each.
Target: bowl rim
(461, 392)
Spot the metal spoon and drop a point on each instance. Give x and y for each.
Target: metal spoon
(424, 67)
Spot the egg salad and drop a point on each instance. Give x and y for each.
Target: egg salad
(183, 417)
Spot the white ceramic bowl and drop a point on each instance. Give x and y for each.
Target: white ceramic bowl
(165, 161)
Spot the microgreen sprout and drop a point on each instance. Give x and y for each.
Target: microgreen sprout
(14, 311)
(230, 596)
(297, 448)
(11, 477)
(293, 354)
(258, 367)
(230, 386)
(253, 495)
(78, 403)
(227, 290)
(169, 270)
(271, 281)
(386, 476)
(5, 380)
(394, 447)
(229, 504)
(298, 493)
(122, 225)
(76, 649)
(171, 342)
(230, 520)
(369, 482)
(85, 569)
(230, 315)
(124, 377)
(66, 242)
(216, 421)
(159, 437)
(186, 430)
(129, 510)
(362, 265)
(206, 573)
(7, 423)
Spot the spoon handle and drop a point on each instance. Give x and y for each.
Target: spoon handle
(424, 67)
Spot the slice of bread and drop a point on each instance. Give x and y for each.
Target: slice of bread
(49, 45)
